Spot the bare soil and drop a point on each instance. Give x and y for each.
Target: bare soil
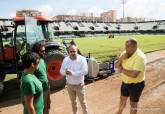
(102, 95)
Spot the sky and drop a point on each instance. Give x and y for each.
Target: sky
(133, 8)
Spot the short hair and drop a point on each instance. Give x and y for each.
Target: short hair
(29, 58)
(37, 46)
(132, 41)
(70, 46)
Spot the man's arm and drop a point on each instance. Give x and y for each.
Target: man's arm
(118, 64)
(138, 67)
(130, 73)
(29, 103)
(63, 68)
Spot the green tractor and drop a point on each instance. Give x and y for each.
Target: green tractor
(27, 31)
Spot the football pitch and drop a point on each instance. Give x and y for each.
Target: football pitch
(103, 48)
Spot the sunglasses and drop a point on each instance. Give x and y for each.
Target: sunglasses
(37, 61)
(72, 51)
(42, 51)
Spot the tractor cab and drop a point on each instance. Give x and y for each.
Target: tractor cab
(30, 30)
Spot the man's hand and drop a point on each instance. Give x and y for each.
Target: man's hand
(68, 72)
(120, 69)
(123, 56)
(118, 64)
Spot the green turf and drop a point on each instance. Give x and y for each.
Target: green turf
(10, 76)
(103, 48)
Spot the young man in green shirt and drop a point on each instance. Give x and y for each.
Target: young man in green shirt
(40, 73)
(31, 87)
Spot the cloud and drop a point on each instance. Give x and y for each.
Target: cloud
(92, 11)
(145, 8)
(12, 14)
(72, 12)
(47, 9)
(96, 11)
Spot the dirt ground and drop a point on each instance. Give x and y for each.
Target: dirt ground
(103, 95)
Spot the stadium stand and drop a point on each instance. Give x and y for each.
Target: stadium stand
(161, 25)
(147, 25)
(65, 26)
(88, 28)
(6, 22)
(127, 27)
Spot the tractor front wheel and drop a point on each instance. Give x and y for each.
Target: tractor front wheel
(2, 78)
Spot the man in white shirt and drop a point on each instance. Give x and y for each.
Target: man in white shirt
(74, 67)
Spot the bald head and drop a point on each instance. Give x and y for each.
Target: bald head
(132, 41)
(72, 47)
(131, 46)
(73, 52)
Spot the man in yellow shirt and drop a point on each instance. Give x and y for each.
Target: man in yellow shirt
(131, 64)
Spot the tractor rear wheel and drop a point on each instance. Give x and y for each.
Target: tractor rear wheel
(2, 72)
(53, 61)
(2, 78)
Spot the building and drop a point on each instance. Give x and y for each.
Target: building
(109, 15)
(31, 13)
(78, 18)
(134, 19)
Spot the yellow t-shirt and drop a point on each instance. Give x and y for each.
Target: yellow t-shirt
(136, 62)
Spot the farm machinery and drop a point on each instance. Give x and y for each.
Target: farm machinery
(27, 31)
(24, 33)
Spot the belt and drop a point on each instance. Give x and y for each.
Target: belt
(133, 83)
(81, 84)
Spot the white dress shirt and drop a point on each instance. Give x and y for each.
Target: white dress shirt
(78, 68)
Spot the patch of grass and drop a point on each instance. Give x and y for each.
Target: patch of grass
(10, 76)
(103, 48)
